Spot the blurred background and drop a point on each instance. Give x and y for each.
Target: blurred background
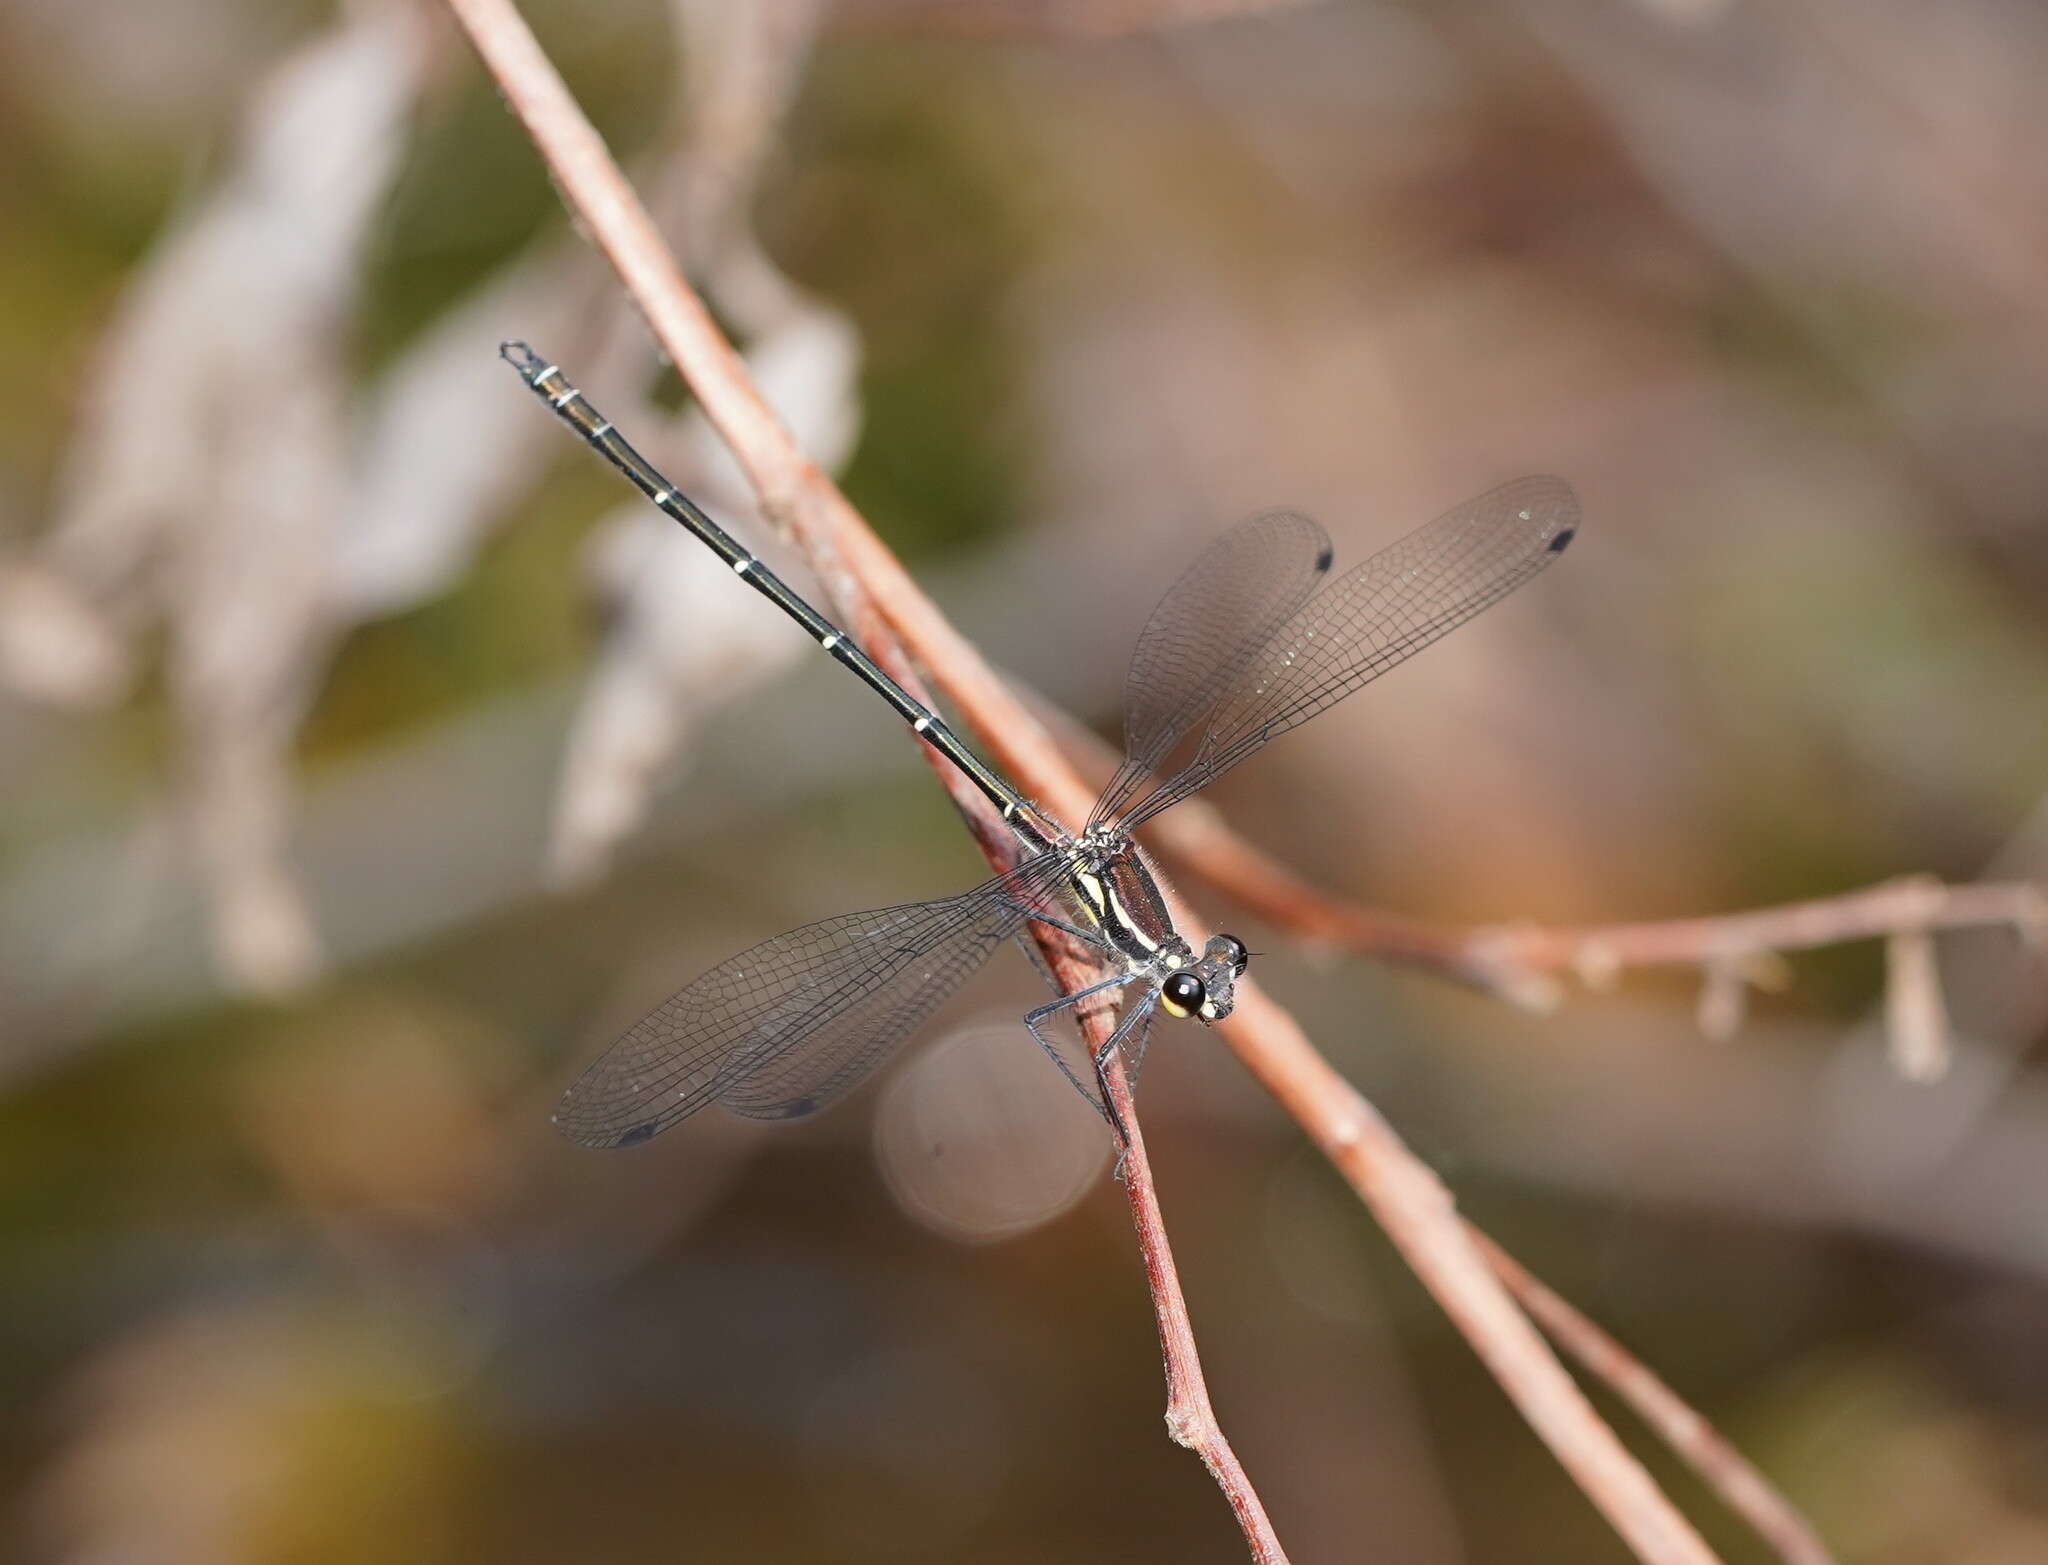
(365, 766)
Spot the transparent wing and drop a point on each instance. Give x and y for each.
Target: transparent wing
(782, 1078)
(1375, 617)
(795, 1022)
(1210, 624)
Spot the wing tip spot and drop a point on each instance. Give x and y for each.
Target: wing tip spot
(1557, 544)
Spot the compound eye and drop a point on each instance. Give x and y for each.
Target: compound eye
(1182, 994)
(1232, 950)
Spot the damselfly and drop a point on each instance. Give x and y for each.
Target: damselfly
(1242, 648)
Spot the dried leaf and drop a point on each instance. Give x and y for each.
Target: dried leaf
(53, 646)
(448, 443)
(209, 474)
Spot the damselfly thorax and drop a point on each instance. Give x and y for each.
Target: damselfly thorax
(1115, 890)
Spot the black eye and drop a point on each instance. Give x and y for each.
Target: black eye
(1182, 994)
(1233, 949)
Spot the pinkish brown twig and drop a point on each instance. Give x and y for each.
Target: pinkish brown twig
(1413, 1207)
(1725, 1470)
(1421, 1218)
(1190, 1417)
(1914, 902)
(1524, 962)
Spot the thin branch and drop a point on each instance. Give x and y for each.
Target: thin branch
(1523, 963)
(1913, 902)
(1190, 1417)
(1410, 1203)
(1723, 1468)
(1422, 1219)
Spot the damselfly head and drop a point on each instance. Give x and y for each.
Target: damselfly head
(1207, 990)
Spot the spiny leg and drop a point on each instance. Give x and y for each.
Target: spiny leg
(1033, 1018)
(1087, 938)
(1091, 938)
(1139, 1013)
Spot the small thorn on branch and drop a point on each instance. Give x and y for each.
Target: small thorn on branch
(1724, 999)
(1597, 964)
(1916, 1018)
(2030, 919)
(1725, 985)
(1495, 963)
